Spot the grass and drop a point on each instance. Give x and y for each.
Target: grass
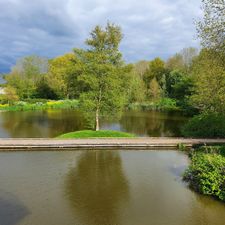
(164, 104)
(26, 106)
(96, 134)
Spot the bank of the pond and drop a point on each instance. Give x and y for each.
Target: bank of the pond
(164, 104)
(40, 105)
(206, 173)
(96, 134)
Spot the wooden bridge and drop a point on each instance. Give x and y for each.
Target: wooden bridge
(38, 144)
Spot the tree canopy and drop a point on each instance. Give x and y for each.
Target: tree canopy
(104, 74)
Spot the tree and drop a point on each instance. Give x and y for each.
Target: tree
(43, 89)
(158, 72)
(103, 73)
(137, 88)
(62, 76)
(141, 67)
(209, 77)
(211, 29)
(10, 95)
(154, 89)
(25, 75)
(175, 62)
(182, 61)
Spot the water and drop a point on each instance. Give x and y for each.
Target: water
(51, 123)
(101, 188)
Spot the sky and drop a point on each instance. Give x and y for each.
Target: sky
(49, 28)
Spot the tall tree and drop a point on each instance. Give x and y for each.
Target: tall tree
(62, 76)
(158, 72)
(182, 61)
(136, 89)
(141, 67)
(209, 76)
(154, 90)
(10, 95)
(25, 75)
(211, 29)
(104, 74)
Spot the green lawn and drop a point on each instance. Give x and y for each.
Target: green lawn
(97, 134)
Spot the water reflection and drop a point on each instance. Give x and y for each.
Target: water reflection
(153, 123)
(97, 188)
(12, 210)
(51, 123)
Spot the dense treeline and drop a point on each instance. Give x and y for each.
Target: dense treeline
(146, 81)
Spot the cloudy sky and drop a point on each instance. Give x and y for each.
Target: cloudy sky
(53, 27)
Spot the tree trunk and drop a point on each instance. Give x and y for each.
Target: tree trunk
(97, 120)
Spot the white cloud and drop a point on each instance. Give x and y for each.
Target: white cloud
(52, 27)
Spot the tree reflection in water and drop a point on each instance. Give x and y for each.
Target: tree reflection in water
(97, 187)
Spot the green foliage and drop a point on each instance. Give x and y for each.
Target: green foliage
(25, 75)
(182, 61)
(154, 76)
(179, 85)
(62, 76)
(212, 149)
(97, 134)
(136, 89)
(10, 95)
(206, 174)
(205, 125)
(104, 76)
(44, 91)
(155, 91)
(39, 104)
(211, 29)
(163, 104)
(182, 147)
(209, 82)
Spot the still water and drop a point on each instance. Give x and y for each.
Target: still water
(51, 123)
(101, 188)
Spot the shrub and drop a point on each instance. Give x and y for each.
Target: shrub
(164, 104)
(34, 100)
(216, 149)
(205, 125)
(206, 174)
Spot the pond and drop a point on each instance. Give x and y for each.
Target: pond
(101, 188)
(51, 123)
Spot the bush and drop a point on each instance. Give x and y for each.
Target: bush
(206, 174)
(213, 149)
(35, 100)
(39, 105)
(164, 104)
(205, 126)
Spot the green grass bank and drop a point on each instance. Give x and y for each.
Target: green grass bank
(96, 134)
(40, 105)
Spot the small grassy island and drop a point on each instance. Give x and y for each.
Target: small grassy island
(96, 134)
